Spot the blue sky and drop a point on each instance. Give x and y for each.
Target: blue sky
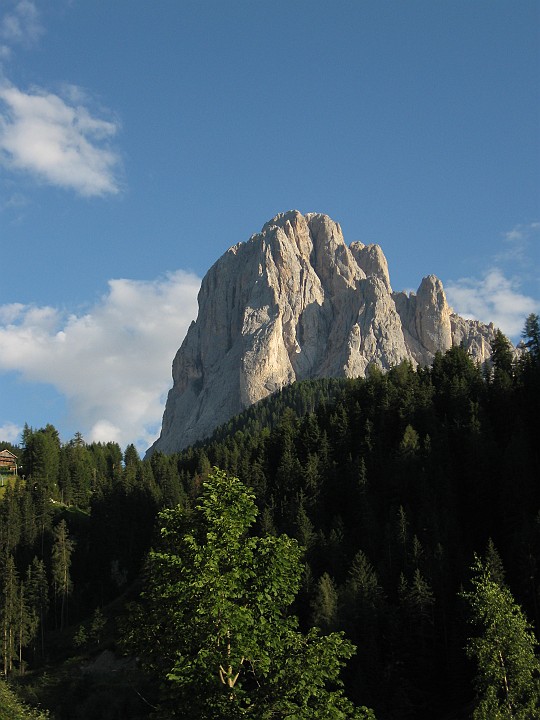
(139, 139)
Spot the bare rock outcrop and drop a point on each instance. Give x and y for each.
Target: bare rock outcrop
(296, 302)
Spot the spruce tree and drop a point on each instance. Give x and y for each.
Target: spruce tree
(62, 551)
(531, 335)
(9, 582)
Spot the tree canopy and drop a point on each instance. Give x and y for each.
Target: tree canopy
(508, 679)
(218, 598)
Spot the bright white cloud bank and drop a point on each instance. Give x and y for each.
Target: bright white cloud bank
(112, 364)
(57, 140)
(497, 296)
(10, 432)
(492, 298)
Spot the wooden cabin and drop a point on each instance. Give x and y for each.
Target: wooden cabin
(8, 462)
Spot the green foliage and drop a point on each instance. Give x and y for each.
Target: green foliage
(502, 356)
(531, 335)
(81, 637)
(12, 709)
(413, 469)
(219, 599)
(41, 455)
(325, 603)
(97, 625)
(62, 551)
(508, 680)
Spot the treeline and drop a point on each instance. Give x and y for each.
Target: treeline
(392, 488)
(390, 483)
(74, 525)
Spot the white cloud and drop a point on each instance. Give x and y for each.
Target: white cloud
(497, 296)
(58, 140)
(9, 432)
(492, 298)
(113, 363)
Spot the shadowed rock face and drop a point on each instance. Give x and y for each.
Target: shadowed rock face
(296, 302)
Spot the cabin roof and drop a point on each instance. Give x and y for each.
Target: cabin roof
(7, 454)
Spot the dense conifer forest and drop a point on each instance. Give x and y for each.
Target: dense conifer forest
(412, 499)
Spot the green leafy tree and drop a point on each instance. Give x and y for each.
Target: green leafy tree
(216, 620)
(508, 679)
(11, 707)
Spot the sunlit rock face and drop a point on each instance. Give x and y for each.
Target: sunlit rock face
(296, 302)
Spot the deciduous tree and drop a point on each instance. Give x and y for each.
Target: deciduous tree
(508, 679)
(216, 623)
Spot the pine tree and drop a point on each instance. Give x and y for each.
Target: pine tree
(531, 335)
(325, 604)
(62, 551)
(41, 456)
(27, 623)
(37, 590)
(494, 564)
(304, 528)
(9, 612)
(363, 581)
(10, 521)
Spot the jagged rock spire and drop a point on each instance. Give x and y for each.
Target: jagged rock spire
(296, 302)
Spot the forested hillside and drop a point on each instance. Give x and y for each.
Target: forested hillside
(390, 484)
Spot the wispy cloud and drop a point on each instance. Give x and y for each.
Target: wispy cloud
(58, 140)
(517, 243)
(112, 363)
(20, 26)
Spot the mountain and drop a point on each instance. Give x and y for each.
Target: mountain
(296, 302)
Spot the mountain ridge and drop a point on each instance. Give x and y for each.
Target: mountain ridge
(295, 302)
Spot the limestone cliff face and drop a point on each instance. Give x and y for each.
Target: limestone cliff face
(296, 302)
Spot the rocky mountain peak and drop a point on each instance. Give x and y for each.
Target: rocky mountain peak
(296, 302)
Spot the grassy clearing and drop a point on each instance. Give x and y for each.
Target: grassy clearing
(5, 482)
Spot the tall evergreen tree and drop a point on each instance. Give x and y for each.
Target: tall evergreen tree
(9, 583)
(62, 550)
(325, 604)
(531, 335)
(41, 456)
(37, 591)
